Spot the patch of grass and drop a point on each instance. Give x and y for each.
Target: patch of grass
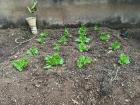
(104, 37)
(123, 59)
(115, 45)
(32, 51)
(20, 64)
(82, 61)
(53, 60)
(42, 37)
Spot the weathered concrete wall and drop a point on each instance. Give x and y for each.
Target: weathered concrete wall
(13, 12)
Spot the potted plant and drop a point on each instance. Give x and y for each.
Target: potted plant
(31, 20)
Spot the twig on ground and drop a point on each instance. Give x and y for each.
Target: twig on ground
(20, 43)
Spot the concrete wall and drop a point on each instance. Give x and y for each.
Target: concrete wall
(111, 12)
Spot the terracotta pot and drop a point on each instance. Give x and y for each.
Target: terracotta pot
(32, 23)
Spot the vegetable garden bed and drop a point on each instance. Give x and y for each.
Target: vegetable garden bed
(64, 68)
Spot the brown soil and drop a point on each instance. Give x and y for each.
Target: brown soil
(9, 41)
(103, 82)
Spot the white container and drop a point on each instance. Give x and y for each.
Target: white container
(32, 23)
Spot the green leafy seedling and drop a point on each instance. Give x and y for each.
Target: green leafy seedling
(56, 47)
(82, 35)
(115, 45)
(123, 59)
(82, 30)
(32, 51)
(42, 37)
(20, 64)
(53, 60)
(66, 33)
(82, 47)
(62, 40)
(82, 39)
(104, 37)
(82, 61)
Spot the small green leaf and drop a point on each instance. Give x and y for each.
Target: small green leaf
(82, 30)
(82, 47)
(61, 61)
(43, 34)
(62, 40)
(82, 39)
(34, 5)
(66, 33)
(56, 47)
(30, 11)
(104, 37)
(32, 51)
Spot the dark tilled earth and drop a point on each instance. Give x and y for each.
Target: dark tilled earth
(104, 82)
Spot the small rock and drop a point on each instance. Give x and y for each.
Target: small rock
(124, 33)
(127, 100)
(37, 85)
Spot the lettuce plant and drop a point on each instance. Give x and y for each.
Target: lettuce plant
(20, 64)
(53, 60)
(42, 37)
(82, 61)
(82, 35)
(82, 30)
(82, 39)
(115, 45)
(66, 33)
(123, 59)
(104, 37)
(82, 47)
(32, 51)
(62, 40)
